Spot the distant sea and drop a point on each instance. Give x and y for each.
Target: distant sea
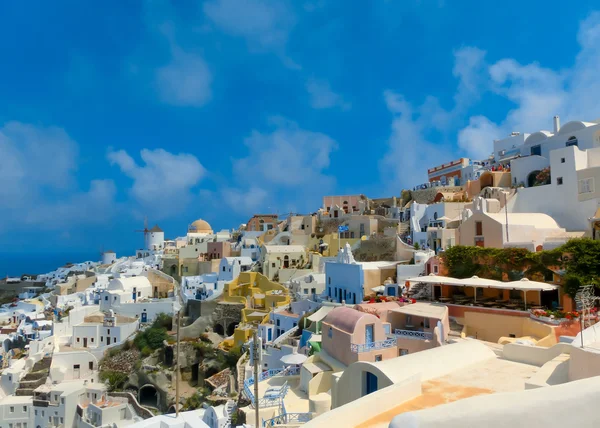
(17, 264)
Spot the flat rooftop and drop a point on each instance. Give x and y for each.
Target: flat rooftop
(487, 377)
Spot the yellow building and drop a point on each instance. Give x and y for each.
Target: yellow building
(259, 295)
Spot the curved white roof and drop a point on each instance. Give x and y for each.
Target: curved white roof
(536, 137)
(127, 283)
(573, 126)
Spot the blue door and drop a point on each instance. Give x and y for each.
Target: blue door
(370, 383)
(144, 317)
(369, 333)
(134, 294)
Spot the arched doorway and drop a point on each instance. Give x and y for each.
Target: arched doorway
(219, 329)
(486, 180)
(148, 396)
(231, 328)
(531, 178)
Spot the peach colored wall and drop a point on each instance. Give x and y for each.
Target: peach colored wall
(492, 231)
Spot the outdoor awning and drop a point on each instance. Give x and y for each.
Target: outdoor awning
(435, 279)
(525, 284)
(321, 313)
(293, 359)
(522, 284)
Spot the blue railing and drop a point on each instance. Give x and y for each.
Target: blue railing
(366, 347)
(411, 334)
(276, 399)
(288, 418)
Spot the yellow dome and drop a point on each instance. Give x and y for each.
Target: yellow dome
(200, 226)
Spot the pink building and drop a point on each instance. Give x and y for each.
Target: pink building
(218, 250)
(348, 203)
(381, 331)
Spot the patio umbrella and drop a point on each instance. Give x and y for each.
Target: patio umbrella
(293, 359)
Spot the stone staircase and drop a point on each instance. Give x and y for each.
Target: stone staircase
(229, 409)
(403, 227)
(36, 377)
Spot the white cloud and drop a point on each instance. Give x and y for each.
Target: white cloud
(163, 185)
(264, 24)
(322, 96)
(409, 153)
(539, 93)
(252, 200)
(285, 164)
(476, 138)
(39, 185)
(185, 81)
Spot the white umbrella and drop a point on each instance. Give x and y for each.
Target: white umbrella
(293, 359)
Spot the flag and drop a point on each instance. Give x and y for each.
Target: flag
(342, 229)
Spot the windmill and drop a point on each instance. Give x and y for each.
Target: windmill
(145, 230)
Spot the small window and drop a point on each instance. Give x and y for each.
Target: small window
(77, 340)
(329, 280)
(12, 409)
(330, 332)
(106, 298)
(25, 408)
(92, 340)
(91, 365)
(108, 331)
(435, 268)
(305, 291)
(562, 160)
(403, 352)
(478, 228)
(272, 265)
(101, 338)
(559, 181)
(62, 399)
(278, 323)
(426, 323)
(378, 357)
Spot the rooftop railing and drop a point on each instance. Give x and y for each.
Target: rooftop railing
(412, 334)
(372, 346)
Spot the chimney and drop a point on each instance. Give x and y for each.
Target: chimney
(556, 124)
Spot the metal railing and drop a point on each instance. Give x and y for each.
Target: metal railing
(366, 347)
(411, 334)
(276, 399)
(288, 418)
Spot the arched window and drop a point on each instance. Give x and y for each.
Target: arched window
(572, 141)
(286, 262)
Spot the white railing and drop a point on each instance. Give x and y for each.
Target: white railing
(275, 400)
(366, 347)
(411, 334)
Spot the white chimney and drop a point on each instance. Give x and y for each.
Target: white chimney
(556, 124)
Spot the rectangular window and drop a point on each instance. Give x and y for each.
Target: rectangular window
(330, 332)
(378, 357)
(305, 291)
(435, 268)
(12, 409)
(426, 323)
(479, 241)
(403, 352)
(478, 228)
(91, 365)
(536, 150)
(586, 185)
(562, 160)
(559, 181)
(106, 298)
(272, 265)
(25, 408)
(108, 331)
(352, 235)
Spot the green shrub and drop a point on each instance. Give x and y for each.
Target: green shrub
(115, 379)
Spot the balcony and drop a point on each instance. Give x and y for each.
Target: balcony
(373, 346)
(413, 334)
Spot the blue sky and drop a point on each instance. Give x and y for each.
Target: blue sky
(222, 108)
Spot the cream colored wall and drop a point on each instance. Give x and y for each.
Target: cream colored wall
(492, 231)
(356, 413)
(534, 355)
(584, 363)
(320, 383)
(491, 327)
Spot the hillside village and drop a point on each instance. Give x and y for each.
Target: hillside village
(443, 305)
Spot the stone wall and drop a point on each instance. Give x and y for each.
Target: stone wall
(426, 196)
(140, 410)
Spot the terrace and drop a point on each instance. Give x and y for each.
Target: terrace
(518, 295)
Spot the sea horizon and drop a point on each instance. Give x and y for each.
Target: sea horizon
(17, 264)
